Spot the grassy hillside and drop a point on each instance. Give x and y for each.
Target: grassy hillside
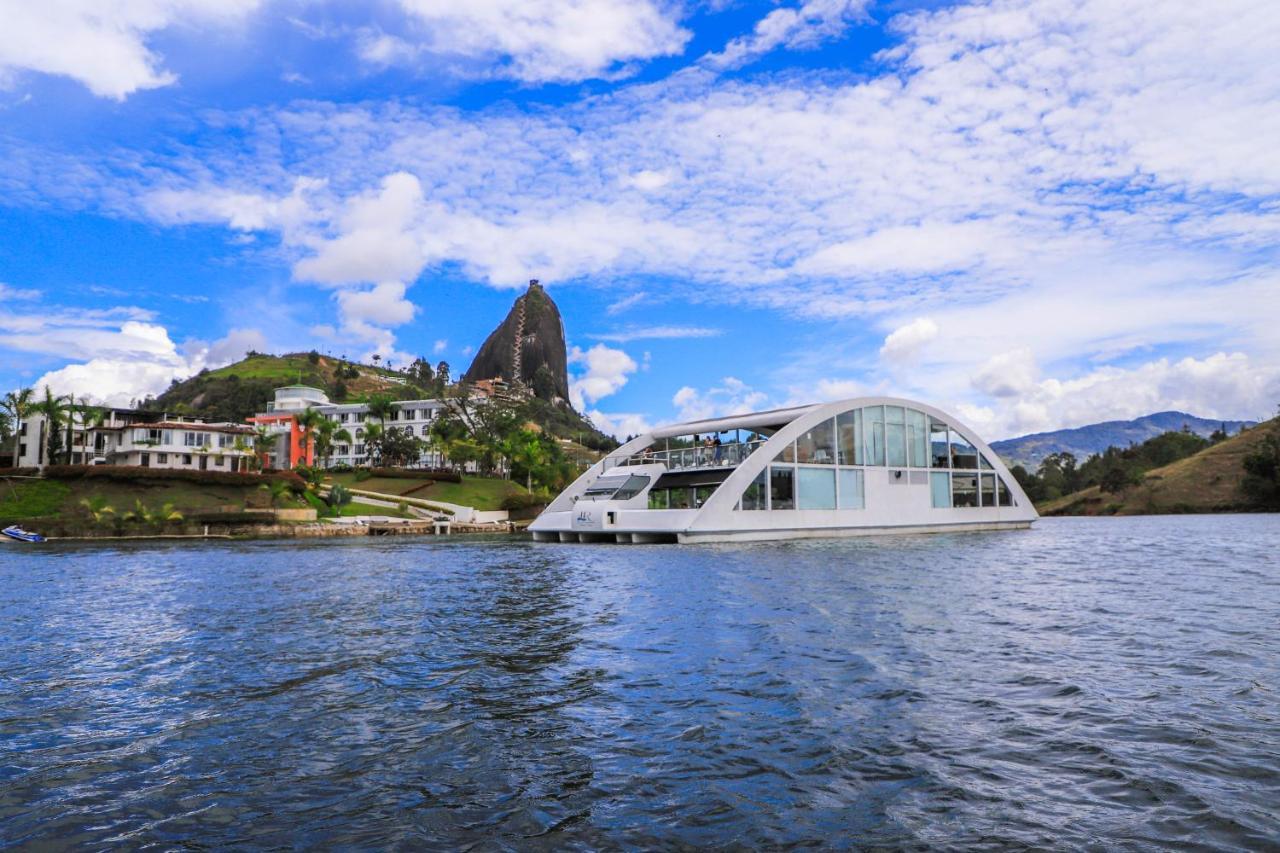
(483, 493)
(41, 503)
(239, 390)
(1209, 481)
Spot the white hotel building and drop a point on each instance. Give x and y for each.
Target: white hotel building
(143, 439)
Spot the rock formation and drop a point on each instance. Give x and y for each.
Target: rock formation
(527, 349)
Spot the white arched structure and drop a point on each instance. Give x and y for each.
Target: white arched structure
(856, 467)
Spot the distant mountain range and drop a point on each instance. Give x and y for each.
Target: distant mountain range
(1085, 441)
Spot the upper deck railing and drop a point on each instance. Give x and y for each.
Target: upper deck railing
(729, 455)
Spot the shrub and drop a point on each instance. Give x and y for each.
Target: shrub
(524, 500)
(247, 516)
(339, 497)
(19, 472)
(135, 474)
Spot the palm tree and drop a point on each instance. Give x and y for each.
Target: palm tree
(55, 409)
(88, 413)
(373, 439)
(19, 406)
(308, 420)
(381, 408)
(98, 508)
(263, 439)
(279, 490)
(240, 448)
(327, 434)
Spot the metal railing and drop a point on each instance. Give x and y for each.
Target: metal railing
(689, 458)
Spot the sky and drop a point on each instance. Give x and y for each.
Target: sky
(1034, 213)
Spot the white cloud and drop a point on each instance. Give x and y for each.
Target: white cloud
(1222, 385)
(16, 293)
(732, 396)
(620, 425)
(656, 333)
(383, 305)
(648, 179)
(1008, 374)
(904, 343)
(102, 45)
(439, 346)
(139, 359)
(626, 303)
(534, 41)
(799, 27)
(607, 371)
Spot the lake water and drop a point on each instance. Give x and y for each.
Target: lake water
(1106, 682)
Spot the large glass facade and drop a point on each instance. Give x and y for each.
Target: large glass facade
(805, 475)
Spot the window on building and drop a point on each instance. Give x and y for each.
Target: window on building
(938, 444)
(782, 487)
(988, 489)
(633, 486)
(940, 487)
(964, 490)
(191, 439)
(917, 439)
(701, 494)
(849, 434)
(852, 495)
(818, 445)
(873, 435)
(659, 499)
(756, 495)
(219, 461)
(895, 436)
(788, 453)
(162, 458)
(963, 453)
(1004, 494)
(681, 498)
(984, 464)
(359, 433)
(144, 459)
(186, 459)
(817, 488)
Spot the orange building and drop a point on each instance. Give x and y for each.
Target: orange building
(289, 440)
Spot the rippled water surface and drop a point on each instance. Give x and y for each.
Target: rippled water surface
(1110, 683)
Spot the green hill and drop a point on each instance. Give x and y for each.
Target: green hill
(1209, 481)
(240, 390)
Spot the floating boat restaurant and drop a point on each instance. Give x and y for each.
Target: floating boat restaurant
(871, 465)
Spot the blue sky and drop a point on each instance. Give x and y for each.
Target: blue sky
(1036, 213)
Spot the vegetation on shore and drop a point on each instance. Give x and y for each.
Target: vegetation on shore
(1236, 474)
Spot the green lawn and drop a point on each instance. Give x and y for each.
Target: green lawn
(23, 499)
(357, 508)
(483, 493)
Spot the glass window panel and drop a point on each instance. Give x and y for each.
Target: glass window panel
(782, 487)
(873, 427)
(681, 499)
(917, 440)
(940, 485)
(963, 454)
(1006, 496)
(633, 486)
(818, 445)
(894, 415)
(851, 493)
(817, 488)
(701, 493)
(984, 464)
(755, 496)
(964, 490)
(849, 433)
(895, 445)
(988, 489)
(938, 444)
(788, 453)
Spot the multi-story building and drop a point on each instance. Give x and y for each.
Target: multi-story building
(144, 439)
(414, 417)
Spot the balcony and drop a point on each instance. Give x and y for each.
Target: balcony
(729, 455)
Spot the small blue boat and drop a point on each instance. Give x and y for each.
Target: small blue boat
(16, 532)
